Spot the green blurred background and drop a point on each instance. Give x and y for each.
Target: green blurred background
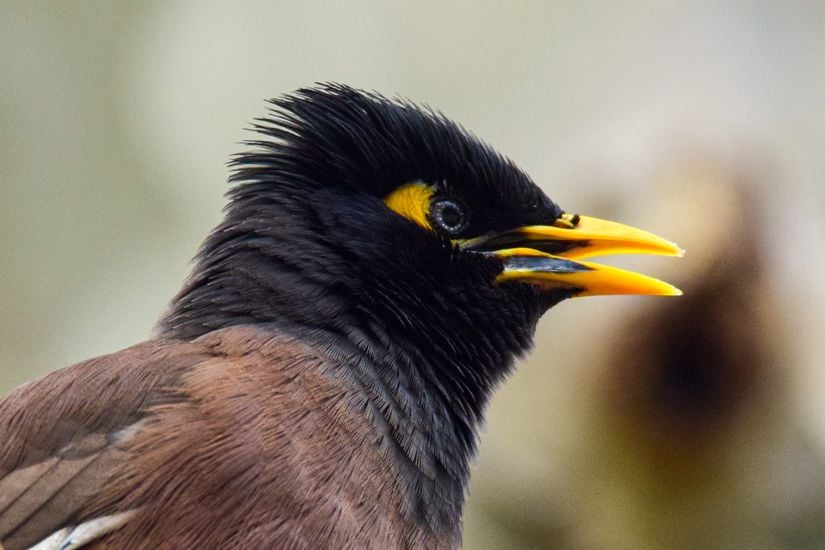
(637, 423)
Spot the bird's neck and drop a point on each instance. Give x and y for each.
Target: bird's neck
(431, 442)
(427, 366)
(427, 421)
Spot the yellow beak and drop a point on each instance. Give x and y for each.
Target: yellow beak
(544, 255)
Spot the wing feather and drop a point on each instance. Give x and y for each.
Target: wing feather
(64, 437)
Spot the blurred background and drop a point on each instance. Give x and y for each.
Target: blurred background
(696, 422)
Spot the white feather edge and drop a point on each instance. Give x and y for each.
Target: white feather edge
(70, 538)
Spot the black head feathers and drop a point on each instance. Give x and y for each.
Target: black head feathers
(334, 135)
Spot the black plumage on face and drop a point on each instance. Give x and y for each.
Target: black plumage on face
(352, 208)
(353, 195)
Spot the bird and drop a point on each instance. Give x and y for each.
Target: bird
(320, 379)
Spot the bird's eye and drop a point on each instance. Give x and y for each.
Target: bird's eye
(449, 215)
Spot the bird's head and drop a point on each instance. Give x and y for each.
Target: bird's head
(358, 214)
(392, 206)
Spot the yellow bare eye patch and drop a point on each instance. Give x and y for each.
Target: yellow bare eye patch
(412, 200)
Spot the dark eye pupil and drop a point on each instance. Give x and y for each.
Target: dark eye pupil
(449, 216)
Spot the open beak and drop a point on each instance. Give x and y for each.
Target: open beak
(550, 256)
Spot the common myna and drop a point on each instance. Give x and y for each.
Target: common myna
(320, 379)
